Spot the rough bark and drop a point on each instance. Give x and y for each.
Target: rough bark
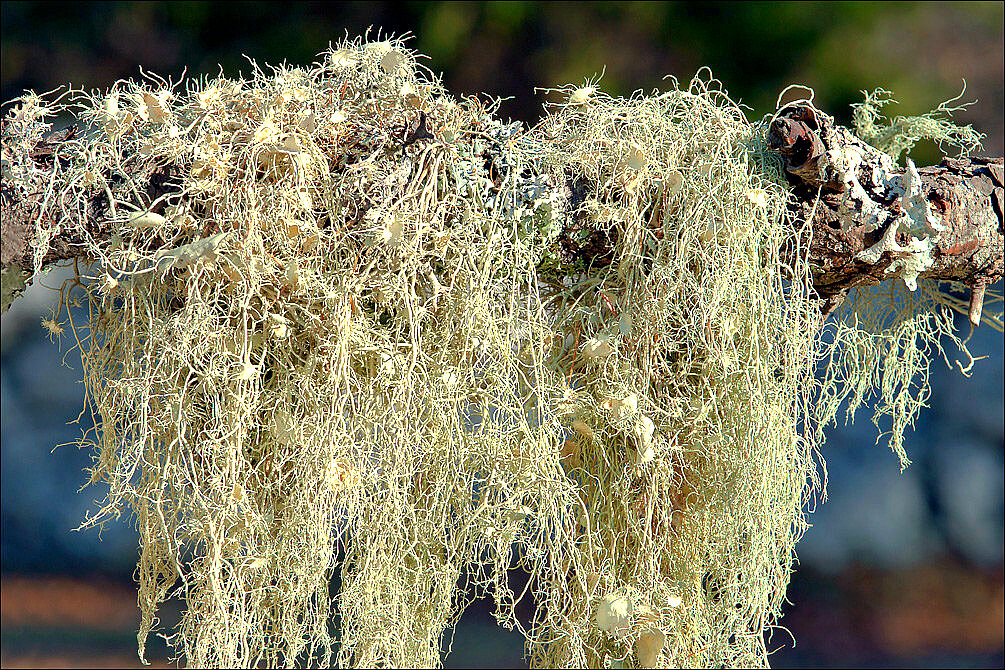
(862, 223)
(827, 164)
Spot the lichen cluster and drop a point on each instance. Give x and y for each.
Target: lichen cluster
(899, 135)
(337, 330)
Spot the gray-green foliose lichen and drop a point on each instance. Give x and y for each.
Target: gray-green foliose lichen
(916, 218)
(12, 285)
(917, 221)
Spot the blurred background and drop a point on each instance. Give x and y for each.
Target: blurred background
(899, 569)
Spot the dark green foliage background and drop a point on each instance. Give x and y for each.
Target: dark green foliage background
(920, 50)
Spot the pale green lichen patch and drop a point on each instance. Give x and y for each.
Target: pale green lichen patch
(12, 285)
(899, 135)
(917, 221)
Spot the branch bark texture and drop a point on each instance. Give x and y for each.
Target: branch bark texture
(870, 220)
(865, 226)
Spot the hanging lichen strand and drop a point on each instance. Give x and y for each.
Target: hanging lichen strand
(351, 338)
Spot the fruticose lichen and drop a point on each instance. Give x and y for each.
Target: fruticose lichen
(327, 349)
(899, 135)
(884, 336)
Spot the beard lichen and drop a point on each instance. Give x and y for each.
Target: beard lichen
(883, 337)
(333, 333)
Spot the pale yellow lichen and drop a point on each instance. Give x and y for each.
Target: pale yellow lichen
(334, 353)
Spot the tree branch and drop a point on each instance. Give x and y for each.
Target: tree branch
(870, 220)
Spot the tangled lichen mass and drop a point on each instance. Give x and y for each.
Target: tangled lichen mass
(350, 334)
